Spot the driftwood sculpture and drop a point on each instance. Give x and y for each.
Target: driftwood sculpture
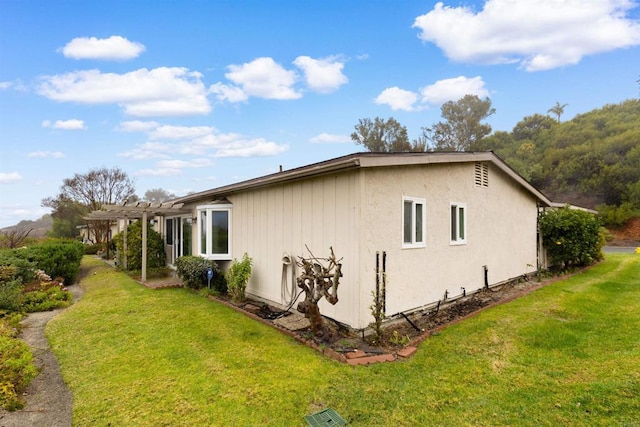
(320, 277)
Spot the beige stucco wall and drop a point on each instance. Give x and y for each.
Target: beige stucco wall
(501, 232)
(318, 213)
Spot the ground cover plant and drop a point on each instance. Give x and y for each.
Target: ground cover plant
(565, 354)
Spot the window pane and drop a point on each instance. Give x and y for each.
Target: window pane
(407, 220)
(220, 232)
(203, 232)
(454, 223)
(186, 236)
(418, 217)
(169, 231)
(461, 221)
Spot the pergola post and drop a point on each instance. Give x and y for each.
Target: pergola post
(124, 244)
(145, 223)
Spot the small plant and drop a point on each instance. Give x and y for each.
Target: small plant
(238, 277)
(377, 311)
(399, 340)
(16, 371)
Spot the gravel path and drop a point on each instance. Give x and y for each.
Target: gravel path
(49, 400)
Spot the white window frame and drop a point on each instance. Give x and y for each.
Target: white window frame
(208, 252)
(414, 243)
(459, 238)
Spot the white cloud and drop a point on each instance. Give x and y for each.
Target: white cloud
(397, 99)
(262, 78)
(158, 172)
(73, 124)
(148, 150)
(537, 34)
(251, 148)
(113, 48)
(181, 164)
(453, 89)
(322, 75)
(9, 177)
(327, 138)
(137, 126)
(5, 85)
(180, 132)
(199, 141)
(157, 92)
(232, 94)
(44, 154)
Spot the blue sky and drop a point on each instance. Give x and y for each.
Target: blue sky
(192, 95)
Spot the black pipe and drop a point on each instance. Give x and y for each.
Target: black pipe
(384, 282)
(411, 323)
(486, 277)
(377, 278)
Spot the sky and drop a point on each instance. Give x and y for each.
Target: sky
(191, 95)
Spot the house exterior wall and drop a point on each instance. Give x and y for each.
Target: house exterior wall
(501, 233)
(320, 213)
(359, 212)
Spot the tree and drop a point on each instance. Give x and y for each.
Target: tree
(88, 192)
(158, 195)
(317, 281)
(67, 217)
(381, 135)
(13, 238)
(557, 110)
(462, 127)
(529, 128)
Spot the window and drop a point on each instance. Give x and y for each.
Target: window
(214, 231)
(413, 222)
(458, 224)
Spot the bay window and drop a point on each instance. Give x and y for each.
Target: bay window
(214, 231)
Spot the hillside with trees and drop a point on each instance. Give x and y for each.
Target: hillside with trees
(592, 160)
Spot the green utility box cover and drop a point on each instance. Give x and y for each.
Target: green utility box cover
(325, 418)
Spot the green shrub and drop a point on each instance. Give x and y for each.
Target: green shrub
(572, 237)
(616, 216)
(24, 269)
(156, 256)
(238, 277)
(94, 248)
(11, 295)
(57, 258)
(10, 324)
(49, 296)
(16, 371)
(193, 272)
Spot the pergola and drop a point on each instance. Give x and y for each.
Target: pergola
(137, 210)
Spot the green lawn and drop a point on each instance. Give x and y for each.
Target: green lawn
(567, 354)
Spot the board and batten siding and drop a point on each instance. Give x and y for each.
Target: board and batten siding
(321, 212)
(501, 232)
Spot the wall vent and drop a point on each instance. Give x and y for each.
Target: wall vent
(482, 174)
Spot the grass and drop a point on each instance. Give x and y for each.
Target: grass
(567, 354)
